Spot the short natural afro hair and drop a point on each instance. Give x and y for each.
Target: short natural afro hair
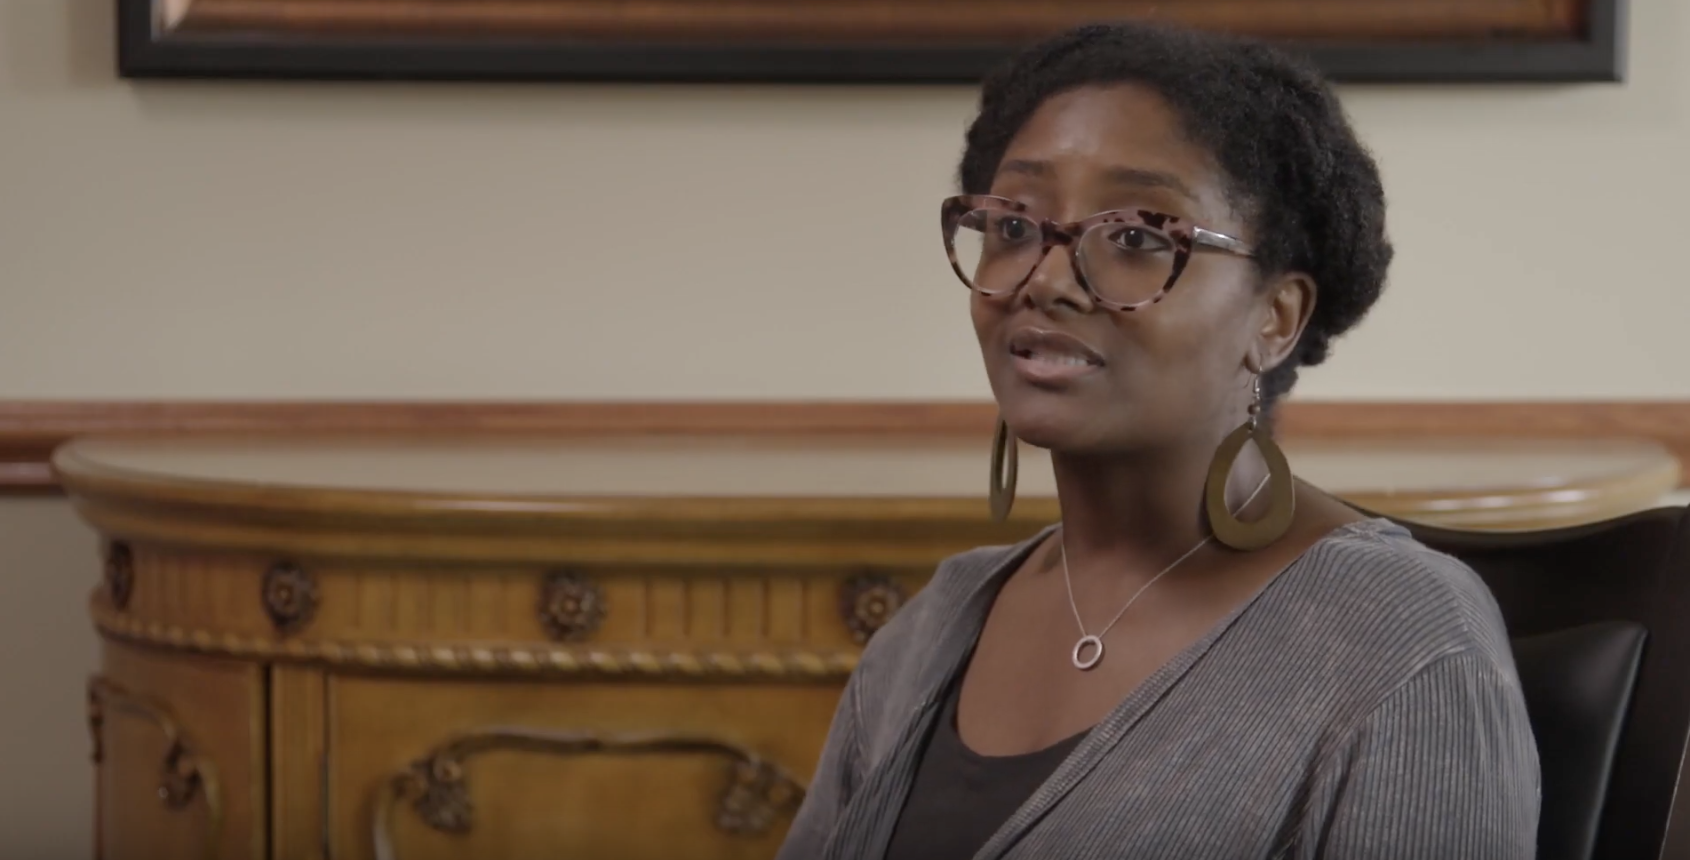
(1271, 123)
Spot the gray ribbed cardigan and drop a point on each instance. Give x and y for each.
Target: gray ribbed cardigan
(1363, 704)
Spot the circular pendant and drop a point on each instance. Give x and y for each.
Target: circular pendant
(1088, 652)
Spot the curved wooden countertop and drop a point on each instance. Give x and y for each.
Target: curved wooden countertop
(703, 497)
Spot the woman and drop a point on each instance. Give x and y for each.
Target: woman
(1204, 659)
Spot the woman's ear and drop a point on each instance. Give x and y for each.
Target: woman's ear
(1287, 305)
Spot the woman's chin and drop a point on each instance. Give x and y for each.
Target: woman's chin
(1052, 429)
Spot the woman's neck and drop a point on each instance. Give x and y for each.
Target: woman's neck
(1137, 512)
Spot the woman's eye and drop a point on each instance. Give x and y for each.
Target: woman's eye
(1140, 239)
(1013, 229)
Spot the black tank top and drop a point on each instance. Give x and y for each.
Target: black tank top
(960, 798)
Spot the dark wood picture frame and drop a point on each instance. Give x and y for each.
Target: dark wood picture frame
(840, 41)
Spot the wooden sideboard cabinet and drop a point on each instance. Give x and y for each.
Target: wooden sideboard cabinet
(579, 648)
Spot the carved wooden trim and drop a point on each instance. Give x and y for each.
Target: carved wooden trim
(119, 574)
(96, 706)
(290, 597)
(757, 794)
(572, 606)
(867, 602)
(30, 431)
(510, 659)
(183, 774)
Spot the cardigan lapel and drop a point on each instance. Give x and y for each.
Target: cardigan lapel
(865, 825)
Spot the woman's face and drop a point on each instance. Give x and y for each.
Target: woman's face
(1072, 376)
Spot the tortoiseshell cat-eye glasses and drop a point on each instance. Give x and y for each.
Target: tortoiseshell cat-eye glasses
(1125, 258)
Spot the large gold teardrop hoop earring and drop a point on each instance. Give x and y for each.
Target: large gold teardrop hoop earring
(1005, 461)
(1282, 497)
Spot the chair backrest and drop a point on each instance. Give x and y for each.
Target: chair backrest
(1578, 685)
(1634, 570)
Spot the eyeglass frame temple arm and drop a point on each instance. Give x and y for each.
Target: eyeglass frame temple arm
(1220, 242)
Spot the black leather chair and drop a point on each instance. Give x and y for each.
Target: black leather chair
(1600, 616)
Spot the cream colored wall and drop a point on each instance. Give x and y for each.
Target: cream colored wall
(275, 241)
(219, 240)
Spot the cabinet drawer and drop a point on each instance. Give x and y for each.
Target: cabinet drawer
(178, 747)
(513, 770)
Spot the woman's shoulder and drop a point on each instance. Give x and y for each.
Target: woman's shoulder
(1374, 591)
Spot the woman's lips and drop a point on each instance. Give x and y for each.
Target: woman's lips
(1045, 356)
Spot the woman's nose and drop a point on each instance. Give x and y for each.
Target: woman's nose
(1056, 283)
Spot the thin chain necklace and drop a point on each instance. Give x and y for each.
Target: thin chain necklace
(1088, 652)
